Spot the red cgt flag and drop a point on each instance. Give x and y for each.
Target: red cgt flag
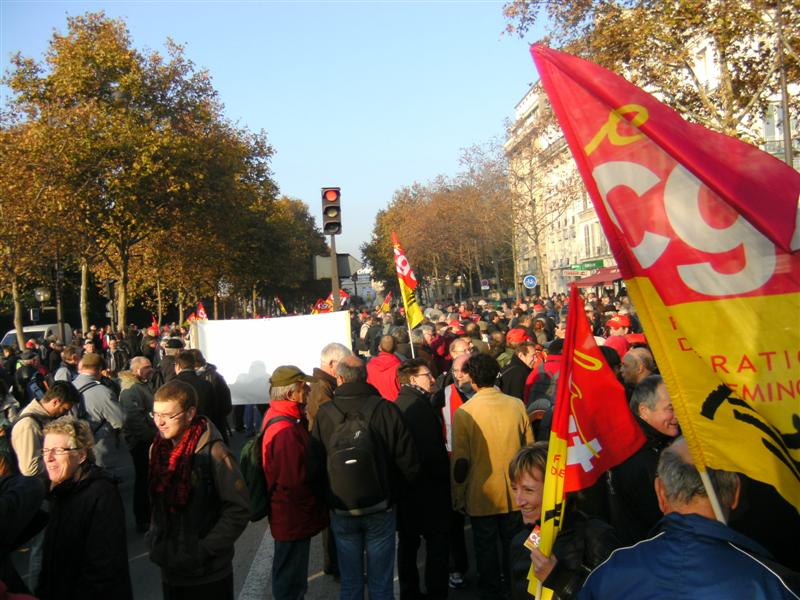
(201, 312)
(593, 428)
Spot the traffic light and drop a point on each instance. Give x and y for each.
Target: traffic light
(331, 211)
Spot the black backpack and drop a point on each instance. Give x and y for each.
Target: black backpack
(251, 464)
(355, 473)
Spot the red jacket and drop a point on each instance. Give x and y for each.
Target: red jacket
(382, 374)
(296, 513)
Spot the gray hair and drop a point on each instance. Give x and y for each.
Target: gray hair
(137, 362)
(352, 370)
(682, 482)
(645, 393)
(417, 336)
(334, 352)
(280, 392)
(425, 329)
(79, 433)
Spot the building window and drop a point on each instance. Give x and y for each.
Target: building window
(587, 241)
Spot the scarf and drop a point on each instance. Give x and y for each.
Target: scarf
(171, 467)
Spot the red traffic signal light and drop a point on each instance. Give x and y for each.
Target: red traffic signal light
(331, 211)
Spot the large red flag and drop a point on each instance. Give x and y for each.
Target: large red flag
(593, 428)
(705, 229)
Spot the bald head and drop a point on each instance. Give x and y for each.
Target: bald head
(351, 369)
(387, 344)
(637, 364)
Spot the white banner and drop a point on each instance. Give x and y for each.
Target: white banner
(246, 351)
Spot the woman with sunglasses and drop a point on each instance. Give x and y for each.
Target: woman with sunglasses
(85, 551)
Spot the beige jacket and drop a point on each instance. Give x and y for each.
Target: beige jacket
(27, 439)
(488, 430)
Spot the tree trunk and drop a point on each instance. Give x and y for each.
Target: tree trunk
(436, 277)
(17, 313)
(254, 301)
(84, 301)
(122, 295)
(478, 268)
(514, 268)
(159, 305)
(216, 307)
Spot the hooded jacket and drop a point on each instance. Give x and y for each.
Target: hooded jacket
(85, 553)
(382, 374)
(136, 400)
(297, 512)
(195, 545)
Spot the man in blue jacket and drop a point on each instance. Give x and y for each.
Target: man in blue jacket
(691, 555)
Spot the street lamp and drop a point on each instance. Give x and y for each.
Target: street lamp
(459, 283)
(42, 294)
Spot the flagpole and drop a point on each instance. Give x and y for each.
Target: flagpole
(712, 496)
(410, 341)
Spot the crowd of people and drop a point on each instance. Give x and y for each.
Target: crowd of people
(407, 436)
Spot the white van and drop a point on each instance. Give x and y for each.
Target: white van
(32, 332)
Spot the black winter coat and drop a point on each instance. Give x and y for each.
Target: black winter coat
(631, 492)
(206, 400)
(400, 454)
(85, 552)
(426, 506)
(581, 546)
(512, 378)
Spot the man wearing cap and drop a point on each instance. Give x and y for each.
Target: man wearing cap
(618, 325)
(296, 512)
(28, 381)
(166, 368)
(514, 338)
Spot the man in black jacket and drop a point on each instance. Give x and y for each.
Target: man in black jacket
(632, 497)
(363, 520)
(512, 379)
(206, 406)
(425, 511)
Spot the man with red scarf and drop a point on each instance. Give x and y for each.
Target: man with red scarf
(200, 503)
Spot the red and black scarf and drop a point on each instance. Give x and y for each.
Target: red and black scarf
(171, 467)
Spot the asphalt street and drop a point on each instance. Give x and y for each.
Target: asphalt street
(252, 562)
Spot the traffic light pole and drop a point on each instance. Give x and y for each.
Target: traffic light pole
(334, 276)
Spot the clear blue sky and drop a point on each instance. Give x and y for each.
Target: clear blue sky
(367, 96)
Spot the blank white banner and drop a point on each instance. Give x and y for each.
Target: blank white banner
(247, 351)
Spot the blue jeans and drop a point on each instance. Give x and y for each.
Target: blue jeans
(290, 569)
(375, 534)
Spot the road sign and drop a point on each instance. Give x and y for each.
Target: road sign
(484, 284)
(530, 281)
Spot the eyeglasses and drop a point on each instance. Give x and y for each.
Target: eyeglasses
(161, 416)
(57, 451)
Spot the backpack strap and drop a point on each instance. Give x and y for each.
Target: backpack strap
(82, 389)
(366, 414)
